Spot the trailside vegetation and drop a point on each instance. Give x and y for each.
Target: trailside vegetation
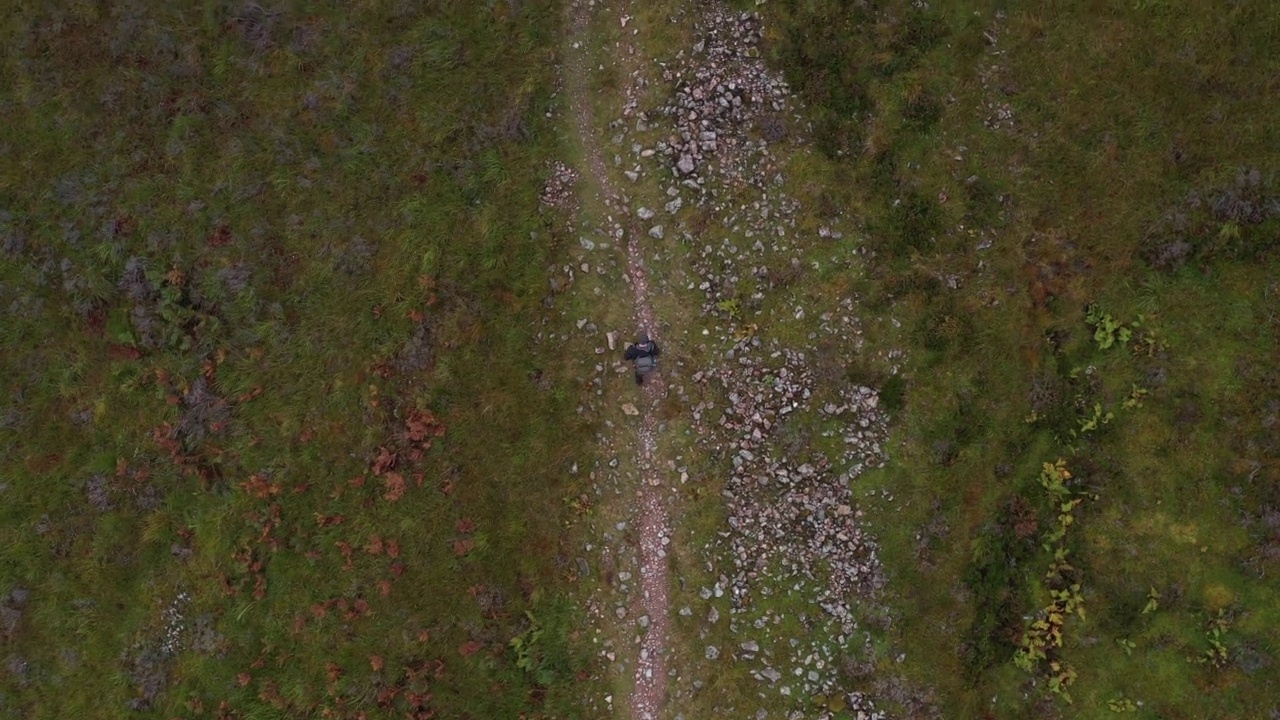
(1074, 214)
(273, 445)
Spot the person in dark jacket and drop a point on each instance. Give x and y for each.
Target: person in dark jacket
(644, 354)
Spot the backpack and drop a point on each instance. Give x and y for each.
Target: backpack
(646, 364)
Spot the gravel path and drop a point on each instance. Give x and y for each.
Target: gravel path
(651, 518)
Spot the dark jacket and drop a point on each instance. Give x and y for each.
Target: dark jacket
(639, 350)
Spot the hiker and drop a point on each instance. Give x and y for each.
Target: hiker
(645, 356)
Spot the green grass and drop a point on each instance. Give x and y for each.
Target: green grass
(335, 213)
(1130, 121)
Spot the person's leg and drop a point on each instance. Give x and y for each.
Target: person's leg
(639, 379)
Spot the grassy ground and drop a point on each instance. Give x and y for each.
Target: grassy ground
(280, 442)
(276, 443)
(1074, 214)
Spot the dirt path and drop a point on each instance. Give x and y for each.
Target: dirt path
(651, 518)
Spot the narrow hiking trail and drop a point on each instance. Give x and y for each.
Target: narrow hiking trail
(650, 516)
(774, 562)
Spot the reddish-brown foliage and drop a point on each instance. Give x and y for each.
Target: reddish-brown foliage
(220, 237)
(385, 461)
(469, 648)
(462, 547)
(421, 426)
(376, 662)
(260, 487)
(466, 525)
(395, 486)
(123, 352)
(345, 549)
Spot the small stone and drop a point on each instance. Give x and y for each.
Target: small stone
(712, 652)
(612, 337)
(631, 175)
(630, 409)
(644, 213)
(751, 646)
(686, 164)
(655, 232)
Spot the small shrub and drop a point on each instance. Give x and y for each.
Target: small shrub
(912, 225)
(893, 394)
(922, 109)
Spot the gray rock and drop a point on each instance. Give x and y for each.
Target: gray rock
(713, 652)
(655, 232)
(686, 164)
(644, 213)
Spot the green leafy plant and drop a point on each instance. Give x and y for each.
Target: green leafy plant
(1135, 398)
(1122, 705)
(1153, 602)
(730, 307)
(1039, 647)
(1107, 331)
(1217, 655)
(1089, 424)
